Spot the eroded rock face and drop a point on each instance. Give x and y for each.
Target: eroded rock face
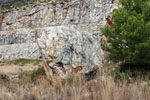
(85, 14)
(71, 48)
(18, 28)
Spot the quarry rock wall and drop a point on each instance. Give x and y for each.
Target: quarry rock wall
(18, 28)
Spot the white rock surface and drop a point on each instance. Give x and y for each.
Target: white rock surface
(19, 27)
(71, 48)
(24, 50)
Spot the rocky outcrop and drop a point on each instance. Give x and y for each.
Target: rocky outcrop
(19, 27)
(66, 47)
(83, 13)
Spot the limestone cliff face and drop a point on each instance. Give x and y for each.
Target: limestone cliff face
(18, 28)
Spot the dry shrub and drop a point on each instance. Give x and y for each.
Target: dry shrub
(1, 19)
(102, 89)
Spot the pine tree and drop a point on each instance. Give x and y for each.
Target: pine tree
(129, 39)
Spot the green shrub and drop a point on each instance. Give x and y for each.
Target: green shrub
(7, 7)
(126, 72)
(23, 61)
(120, 74)
(129, 40)
(31, 76)
(39, 72)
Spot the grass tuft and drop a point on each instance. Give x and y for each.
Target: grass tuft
(23, 61)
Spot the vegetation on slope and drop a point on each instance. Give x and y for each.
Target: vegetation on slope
(128, 42)
(24, 4)
(78, 89)
(23, 61)
(129, 38)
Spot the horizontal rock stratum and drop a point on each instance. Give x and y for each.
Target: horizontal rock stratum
(18, 28)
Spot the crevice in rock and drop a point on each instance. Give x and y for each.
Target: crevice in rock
(29, 14)
(112, 1)
(1, 20)
(7, 23)
(66, 14)
(54, 13)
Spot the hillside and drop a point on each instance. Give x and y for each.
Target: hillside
(74, 50)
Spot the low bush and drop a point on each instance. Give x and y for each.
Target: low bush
(129, 36)
(23, 61)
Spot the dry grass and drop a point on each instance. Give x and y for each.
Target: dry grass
(33, 85)
(14, 69)
(17, 66)
(76, 88)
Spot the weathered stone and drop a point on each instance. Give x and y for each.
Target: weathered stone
(24, 50)
(18, 27)
(17, 36)
(73, 12)
(71, 48)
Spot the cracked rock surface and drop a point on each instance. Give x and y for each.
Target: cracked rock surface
(71, 48)
(18, 28)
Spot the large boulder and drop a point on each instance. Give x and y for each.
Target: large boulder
(71, 48)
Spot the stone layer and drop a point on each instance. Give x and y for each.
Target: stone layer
(18, 28)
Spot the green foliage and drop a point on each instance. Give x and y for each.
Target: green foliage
(148, 84)
(120, 74)
(31, 76)
(92, 74)
(129, 40)
(7, 7)
(39, 72)
(125, 72)
(23, 61)
(70, 79)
